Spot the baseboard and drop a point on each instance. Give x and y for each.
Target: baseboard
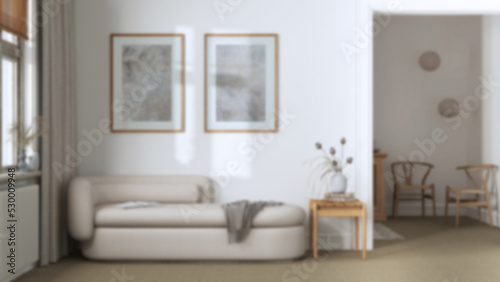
(472, 213)
(415, 209)
(20, 273)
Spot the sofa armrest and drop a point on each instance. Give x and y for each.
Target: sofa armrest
(80, 209)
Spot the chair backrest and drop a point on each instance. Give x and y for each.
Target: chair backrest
(405, 173)
(482, 174)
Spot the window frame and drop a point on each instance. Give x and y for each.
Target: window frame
(13, 51)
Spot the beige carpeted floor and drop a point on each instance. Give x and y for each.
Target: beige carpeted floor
(431, 251)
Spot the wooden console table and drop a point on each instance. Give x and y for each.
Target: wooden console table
(319, 208)
(379, 186)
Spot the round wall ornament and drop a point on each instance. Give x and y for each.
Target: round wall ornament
(449, 108)
(429, 61)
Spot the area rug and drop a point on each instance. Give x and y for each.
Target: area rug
(382, 232)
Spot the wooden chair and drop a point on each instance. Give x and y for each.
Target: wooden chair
(453, 195)
(403, 174)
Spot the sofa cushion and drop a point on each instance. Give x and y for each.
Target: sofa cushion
(191, 215)
(167, 193)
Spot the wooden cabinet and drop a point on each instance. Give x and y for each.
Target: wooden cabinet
(379, 186)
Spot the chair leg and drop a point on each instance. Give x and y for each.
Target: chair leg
(488, 206)
(396, 204)
(446, 205)
(423, 202)
(489, 213)
(479, 215)
(433, 202)
(457, 211)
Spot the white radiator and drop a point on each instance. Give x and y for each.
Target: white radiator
(26, 230)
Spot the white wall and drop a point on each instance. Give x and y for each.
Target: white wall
(442, 7)
(406, 98)
(317, 85)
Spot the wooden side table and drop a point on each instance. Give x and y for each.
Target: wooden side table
(319, 208)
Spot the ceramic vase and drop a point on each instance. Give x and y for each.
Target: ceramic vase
(33, 161)
(338, 183)
(22, 163)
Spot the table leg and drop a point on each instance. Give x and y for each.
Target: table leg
(356, 233)
(311, 245)
(315, 231)
(364, 232)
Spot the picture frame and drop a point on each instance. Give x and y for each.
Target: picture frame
(241, 83)
(147, 83)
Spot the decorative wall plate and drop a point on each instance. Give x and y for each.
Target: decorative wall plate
(429, 61)
(449, 108)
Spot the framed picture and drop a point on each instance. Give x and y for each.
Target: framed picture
(147, 82)
(241, 82)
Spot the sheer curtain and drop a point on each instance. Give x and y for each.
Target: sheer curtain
(58, 107)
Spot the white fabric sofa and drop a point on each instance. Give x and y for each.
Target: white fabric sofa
(187, 226)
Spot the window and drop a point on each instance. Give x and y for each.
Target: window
(9, 37)
(18, 74)
(11, 98)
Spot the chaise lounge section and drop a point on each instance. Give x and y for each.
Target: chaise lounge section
(187, 226)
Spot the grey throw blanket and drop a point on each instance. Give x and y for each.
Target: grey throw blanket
(239, 217)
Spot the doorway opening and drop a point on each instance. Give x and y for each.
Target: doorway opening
(432, 113)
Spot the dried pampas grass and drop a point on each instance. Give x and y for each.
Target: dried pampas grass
(324, 165)
(26, 137)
